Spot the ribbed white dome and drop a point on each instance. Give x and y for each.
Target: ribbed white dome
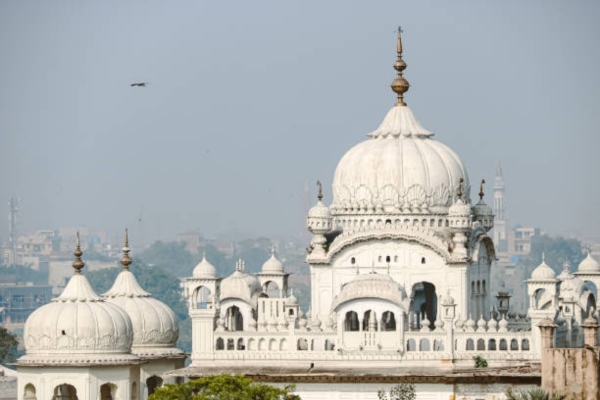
(154, 323)
(589, 265)
(204, 269)
(543, 272)
(272, 265)
(78, 326)
(372, 286)
(400, 169)
(240, 285)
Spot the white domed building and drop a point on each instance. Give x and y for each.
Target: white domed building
(155, 327)
(78, 347)
(400, 282)
(84, 346)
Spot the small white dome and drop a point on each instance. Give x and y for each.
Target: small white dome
(372, 286)
(272, 265)
(204, 269)
(320, 210)
(459, 209)
(78, 326)
(154, 323)
(543, 272)
(240, 285)
(589, 264)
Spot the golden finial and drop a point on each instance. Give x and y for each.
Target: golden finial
(78, 263)
(400, 85)
(320, 195)
(481, 194)
(126, 260)
(459, 188)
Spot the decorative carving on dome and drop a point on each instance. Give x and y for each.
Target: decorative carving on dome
(440, 195)
(388, 195)
(416, 196)
(363, 196)
(168, 337)
(66, 342)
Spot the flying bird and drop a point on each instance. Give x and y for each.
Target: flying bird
(140, 84)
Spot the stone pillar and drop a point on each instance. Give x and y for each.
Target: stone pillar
(590, 331)
(547, 327)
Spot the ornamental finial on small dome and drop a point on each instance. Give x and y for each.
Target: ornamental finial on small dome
(481, 194)
(320, 195)
(459, 192)
(400, 85)
(78, 263)
(125, 259)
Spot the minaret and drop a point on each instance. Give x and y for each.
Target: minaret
(499, 211)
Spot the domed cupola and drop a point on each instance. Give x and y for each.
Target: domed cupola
(589, 265)
(272, 265)
(483, 213)
(372, 286)
(204, 269)
(242, 286)
(319, 222)
(78, 327)
(400, 169)
(543, 272)
(155, 325)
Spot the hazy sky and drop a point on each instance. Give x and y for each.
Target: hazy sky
(248, 100)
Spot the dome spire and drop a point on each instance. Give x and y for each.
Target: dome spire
(459, 192)
(481, 194)
(320, 195)
(400, 85)
(126, 260)
(78, 263)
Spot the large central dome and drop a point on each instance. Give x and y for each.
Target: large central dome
(399, 170)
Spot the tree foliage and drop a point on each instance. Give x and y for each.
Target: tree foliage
(402, 391)
(556, 250)
(223, 387)
(170, 256)
(533, 394)
(480, 362)
(8, 346)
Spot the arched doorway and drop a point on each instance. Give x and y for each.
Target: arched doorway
(108, 391)
(153, 383)
(234, 320)
(423, 304)
(65, 392)
(29, 393)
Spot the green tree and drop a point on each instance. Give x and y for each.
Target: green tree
(170, 256)
(480, 362)
(223, 387)
(533, 394)
(8, 346)
(402, 391)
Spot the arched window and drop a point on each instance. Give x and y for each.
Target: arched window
(240, 344)
(424, 345)
(388, 259)
(411, 345)
(351, 321)
(388, 321)
(514, 345)
(234, 320)
(525, 345)
(283, 345)
(502, 344)
(153, 383)
(422, 260)
(329, 345)
(302, 344)
(438, 345)
(65, 392)
(480, 344)
(220, 344)
(470, 345)
(29, 392)
(230, 344)
(369, 321)
(353, 261)
(492, 344)
(107, 391)
(134, 391)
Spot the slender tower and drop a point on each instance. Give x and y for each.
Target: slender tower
(499, 211)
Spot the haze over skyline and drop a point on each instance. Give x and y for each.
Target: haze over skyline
(247, 101)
